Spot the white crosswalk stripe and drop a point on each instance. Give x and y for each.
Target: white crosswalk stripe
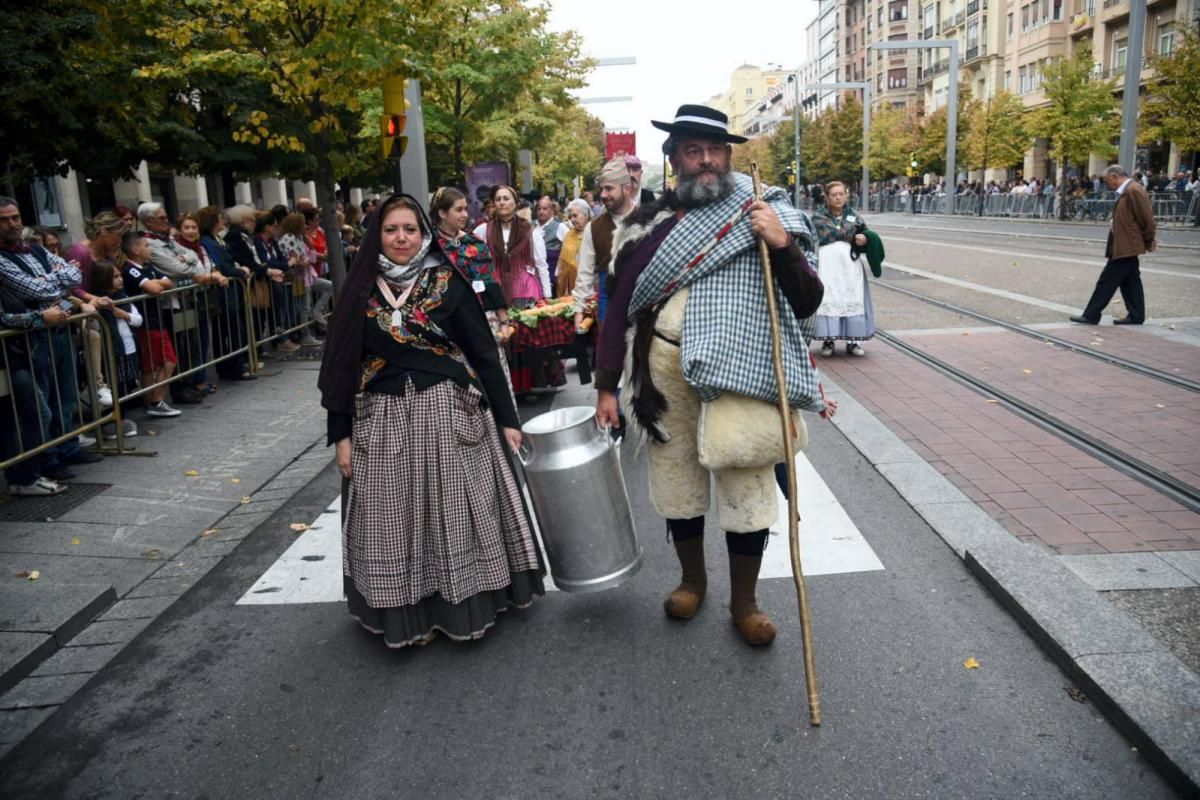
(310, 570)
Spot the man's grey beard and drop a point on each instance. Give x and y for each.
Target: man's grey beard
(691, 193)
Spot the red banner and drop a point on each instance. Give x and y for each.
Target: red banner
(619, 144)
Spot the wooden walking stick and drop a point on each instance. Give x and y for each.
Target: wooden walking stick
(785, 416)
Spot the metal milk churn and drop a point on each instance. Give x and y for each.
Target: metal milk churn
(573, 471)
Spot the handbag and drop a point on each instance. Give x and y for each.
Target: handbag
(739, 432)
(260, 293)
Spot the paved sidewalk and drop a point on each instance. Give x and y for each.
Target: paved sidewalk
(107, 567)
(1033, 483)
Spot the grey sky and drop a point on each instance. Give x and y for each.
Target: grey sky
(685, 52)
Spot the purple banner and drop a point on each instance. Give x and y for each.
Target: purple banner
(480, 180)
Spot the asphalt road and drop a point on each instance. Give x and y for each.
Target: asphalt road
(596, 695)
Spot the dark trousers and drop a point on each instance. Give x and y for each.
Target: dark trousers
(21, 422)
(1123, 274)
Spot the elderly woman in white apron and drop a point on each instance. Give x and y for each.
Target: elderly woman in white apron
(845, 313)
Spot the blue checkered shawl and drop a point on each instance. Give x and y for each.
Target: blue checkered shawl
(726, 343)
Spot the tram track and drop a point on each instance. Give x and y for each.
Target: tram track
(1181, 492)
(1066, 344)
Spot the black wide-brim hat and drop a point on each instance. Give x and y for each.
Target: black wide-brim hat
(693, 120)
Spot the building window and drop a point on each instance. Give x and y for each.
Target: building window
(749, 91)
(1166, 39)
(1010, 25)
(898, 37)
(898, 78)
(1024, 19)
(1008, 79)
(1120, 50)
(1058, 9)
(1022, 80)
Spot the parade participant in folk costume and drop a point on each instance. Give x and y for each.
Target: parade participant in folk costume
(519, 257)
(617, 193)
(641, 194)
(579, 213)
(552, 230)
(846, 312)
(466, 251)
(435, 535)
(700, 382)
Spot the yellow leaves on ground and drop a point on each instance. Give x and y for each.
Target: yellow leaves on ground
(209, 532)
(235, 480)
(1159, 405)
(245, 499)
(29, 575)
(299, 527)
(75, 540)
(191, 473)
(971, 663)
(1027, 371)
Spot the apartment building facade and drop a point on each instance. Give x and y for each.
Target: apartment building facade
(1006, 44)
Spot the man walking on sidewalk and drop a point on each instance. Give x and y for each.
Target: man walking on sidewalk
(1132, 234)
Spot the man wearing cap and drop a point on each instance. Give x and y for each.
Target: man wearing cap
(617, 193)
(700, 380)
(634, 165)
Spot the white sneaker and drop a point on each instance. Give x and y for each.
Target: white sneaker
(308, 340)
(128, 426)
(85, 440)
(104, 394)
(827, 350)
(287, 346)
(855, 349)
(161, 409)
(42, 487)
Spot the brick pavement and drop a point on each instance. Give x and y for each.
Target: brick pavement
(1036, 485)
(1135, 344)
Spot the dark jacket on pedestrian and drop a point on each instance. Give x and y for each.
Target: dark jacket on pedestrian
(1133, 229)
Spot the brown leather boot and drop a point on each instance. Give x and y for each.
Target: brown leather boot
(752, 623)
(684, 601)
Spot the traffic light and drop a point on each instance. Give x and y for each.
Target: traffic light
(391, 142)
(391, 124)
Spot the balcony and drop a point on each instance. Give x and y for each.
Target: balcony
(972, 7)
(1082, 22)
(926, 75)
(927, 33)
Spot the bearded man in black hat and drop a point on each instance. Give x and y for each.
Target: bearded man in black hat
(699, 379)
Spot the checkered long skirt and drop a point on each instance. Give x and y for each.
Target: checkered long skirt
(435, 536)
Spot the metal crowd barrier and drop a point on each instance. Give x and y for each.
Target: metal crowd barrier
(41, 402)
(206, 325)
(1173, 206)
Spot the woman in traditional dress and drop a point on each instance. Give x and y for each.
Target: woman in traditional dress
(469, 253)
(846, 311)
(579, 213)
(435, 535)
(520, 263)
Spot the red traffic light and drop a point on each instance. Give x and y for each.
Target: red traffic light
(393, 125)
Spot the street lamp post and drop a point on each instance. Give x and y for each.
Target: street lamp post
(866, 135)
(951, 102)
(794, 78)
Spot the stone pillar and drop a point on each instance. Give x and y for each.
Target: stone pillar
(134, 192)
(191, 193)
(243, 194)
(304, 190)
(1096, 165)
(71, 207)
(274, 192)
(1035, 161)
(1173, 160)
(356, 197)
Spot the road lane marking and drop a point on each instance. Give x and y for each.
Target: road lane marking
(1092, 263)
(1020, 298)
(830, 542)
(310, 570)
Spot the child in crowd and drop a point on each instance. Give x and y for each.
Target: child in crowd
(107, 282)
(158, 359)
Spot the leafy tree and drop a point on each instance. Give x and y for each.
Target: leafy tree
(1171, 107)
(495, 80)
(831, 147)
(757, 150)
(1082, 116)
(931, 148)
(996, 135)
(895, 133)
(314, 55)
(69, 102)
(782, 149)
(573, 149)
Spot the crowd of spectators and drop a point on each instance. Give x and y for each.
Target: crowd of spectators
(171, 296)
